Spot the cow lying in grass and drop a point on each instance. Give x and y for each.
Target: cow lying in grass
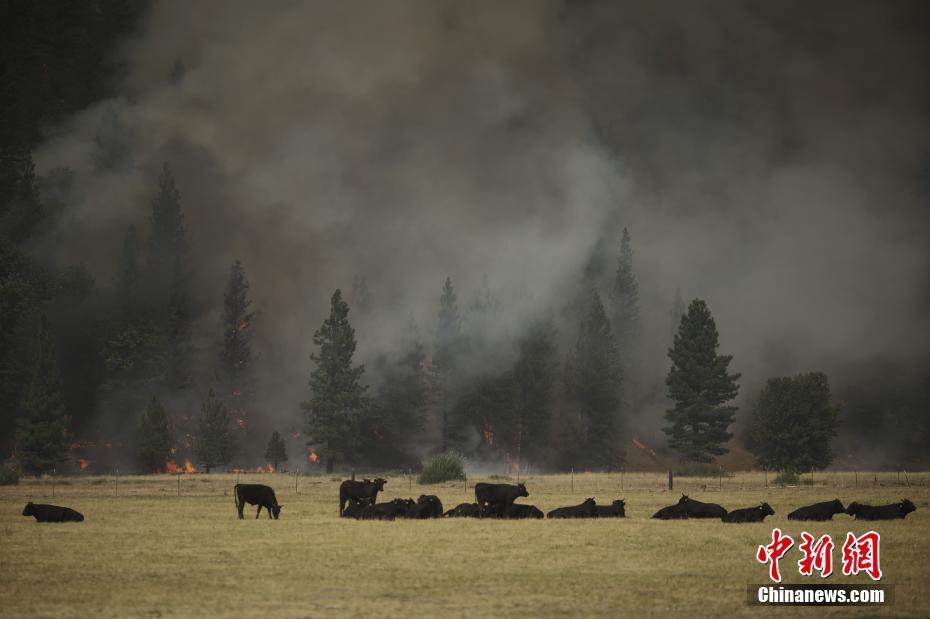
(465, 510)
(617, 509)
(881, 512)
(673, 512)
(52, 513)
(351, 490)
(697, 509)
(398, 508)
(427, 506)
(587, 509)
(750, 514)
(522, 512)
(818, 511)
(256, 494)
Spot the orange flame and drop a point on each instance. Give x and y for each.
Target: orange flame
(84, 463)
(188, 467)
(174, 450)
(171, 466)
(312, 457)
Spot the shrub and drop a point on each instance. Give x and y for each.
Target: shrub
(787, 478)
(448, 466)
(9, 474)
(700, 469)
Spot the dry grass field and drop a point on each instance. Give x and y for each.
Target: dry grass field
(148, 552)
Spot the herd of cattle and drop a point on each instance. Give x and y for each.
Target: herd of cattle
(358, 499)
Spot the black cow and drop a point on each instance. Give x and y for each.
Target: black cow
(516, 511)
(881, 512)
(495, 498)
(52, 513)
(818, 511)
(697, 509)
(672, 512)
(256, 494)
(465, 510)
(354, 509)
(427, 506)
(617, 509)
(351, 490)
(750, 514)
(391, 510)
(587, 509)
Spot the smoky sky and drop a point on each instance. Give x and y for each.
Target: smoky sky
(770, 158)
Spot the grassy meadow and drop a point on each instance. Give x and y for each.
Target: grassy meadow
(146, 551)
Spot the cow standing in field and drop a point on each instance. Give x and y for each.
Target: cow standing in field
(351, 490)
(750, 514)
(587, 509)
(881, 512)
(522, 512)
(673, 512)
(494, 499)
(256, 494)
(52, 513)
(818, 511)
(617, 509)
(465, 510)
(697, 509)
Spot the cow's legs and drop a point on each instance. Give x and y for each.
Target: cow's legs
(259, 512)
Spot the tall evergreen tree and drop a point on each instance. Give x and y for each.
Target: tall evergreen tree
(625, 301)
(338, 400)
(677, 311)
(276, 451)
(596, 388)
(446, 357)
(793, 423)
(127, 276)
(700, 387)
(42, 434)
(168, 236)
(362, 298)
(153, 438)
(236, 355)
(214, 443)
(178, 330)
(534, 377)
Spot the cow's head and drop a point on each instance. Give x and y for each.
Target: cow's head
(29, 509)
(522, 489)
(907, 507)
(620, 505)
(853, 508)
(379, 484)
(838, 507)
(590, 505)
(766, 510)
(683, 500)
(276, 511)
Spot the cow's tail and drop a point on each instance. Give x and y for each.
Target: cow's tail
(236, 496)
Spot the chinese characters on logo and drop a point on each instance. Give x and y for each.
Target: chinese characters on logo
(860, 554)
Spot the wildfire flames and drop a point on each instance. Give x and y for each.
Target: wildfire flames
(240, 422)
(172, 467)
(312, 457)
(265, 469)
(84, 463)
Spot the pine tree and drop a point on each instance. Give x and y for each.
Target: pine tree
(127, 276)
(446, 357)
(276, 452)
(362, 298)
(236, 356)
(338, 402)
(153, 438)
(700, 387)
(178, 330)
(168, 236)
(793, 422)
(596, 388)
(214, 443)
(625, 299)
(677, 311)
(42, 433)
(534, 375)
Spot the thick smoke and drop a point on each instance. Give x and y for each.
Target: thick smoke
(765, 158)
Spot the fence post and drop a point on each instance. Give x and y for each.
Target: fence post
(621, 479)
(765, 473)
(573, 479)
(179, 482)
(296, 478)
(812, 477)
(353, 474)
(719, 477)
(53, 482)
(906, 480)
(857, 478)
(117, 482)
(670, 481)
